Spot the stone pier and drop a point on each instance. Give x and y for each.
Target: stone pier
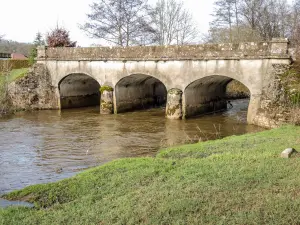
(174, 104)
(106, 104)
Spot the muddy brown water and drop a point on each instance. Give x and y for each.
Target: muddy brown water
(45, 146)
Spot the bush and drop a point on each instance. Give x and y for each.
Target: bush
(59, 37)
(14, 64)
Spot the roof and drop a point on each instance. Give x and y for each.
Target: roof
(18, 56)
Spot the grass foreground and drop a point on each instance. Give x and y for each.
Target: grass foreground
(236, 180)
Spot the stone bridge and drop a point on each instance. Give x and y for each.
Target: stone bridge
(190, 80)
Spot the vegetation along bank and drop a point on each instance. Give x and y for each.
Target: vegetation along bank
(236, 180)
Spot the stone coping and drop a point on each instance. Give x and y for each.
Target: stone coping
(277, 49)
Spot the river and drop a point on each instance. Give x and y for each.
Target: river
(45, 146)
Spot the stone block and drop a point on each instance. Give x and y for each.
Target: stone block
(287, 153)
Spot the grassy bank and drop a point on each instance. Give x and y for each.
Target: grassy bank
(13, 75)
(6, 78)
(236, 180)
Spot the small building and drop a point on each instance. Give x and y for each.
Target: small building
(4, 56)
(18, 56)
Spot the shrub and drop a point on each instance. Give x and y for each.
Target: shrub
(14, 64)
(59, 37)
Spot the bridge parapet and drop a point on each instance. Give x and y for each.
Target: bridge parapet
(277, 48)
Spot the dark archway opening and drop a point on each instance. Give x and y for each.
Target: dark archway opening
(137, 92)
(209, 95)
(78, 90)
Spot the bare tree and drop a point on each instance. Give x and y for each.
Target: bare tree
(13, 46)
(119, 22)
(226, 13)
(272, 16)
(250, 20)
(250, 10)
(243, 33)
(186, 31)
(294, 22)
(268, 17)
(172, 24)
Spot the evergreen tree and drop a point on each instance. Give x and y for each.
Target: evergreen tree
(38, 41)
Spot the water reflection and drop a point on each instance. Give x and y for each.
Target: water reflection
(45, 146)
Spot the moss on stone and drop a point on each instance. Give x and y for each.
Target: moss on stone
(175, 91)
(106, 107)
(171, 110)
(105, 88)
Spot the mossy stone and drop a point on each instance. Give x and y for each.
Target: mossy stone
(105, 88)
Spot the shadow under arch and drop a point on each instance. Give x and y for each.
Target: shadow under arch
(139, 91)
(206, 95)
(78, 90)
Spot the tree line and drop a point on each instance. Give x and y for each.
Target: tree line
(254, 20)
(135, 22)
(169, 22)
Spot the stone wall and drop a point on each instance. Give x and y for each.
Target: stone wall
(275, 108)
(274, 49)
(34, 91)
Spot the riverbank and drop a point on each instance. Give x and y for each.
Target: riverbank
(236, 180)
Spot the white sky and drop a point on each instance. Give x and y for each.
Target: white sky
(20, 20)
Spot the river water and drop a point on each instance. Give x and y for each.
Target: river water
(44, 146)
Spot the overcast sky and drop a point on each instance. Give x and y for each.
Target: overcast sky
(20, 20)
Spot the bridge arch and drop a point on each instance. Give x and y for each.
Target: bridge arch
(78, 90)
(207, 94)
(139, 91)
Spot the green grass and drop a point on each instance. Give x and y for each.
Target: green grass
(236, 180)
(13, 75)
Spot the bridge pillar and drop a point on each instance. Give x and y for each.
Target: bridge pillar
(174, 104)
(253, 108)
(106, 102)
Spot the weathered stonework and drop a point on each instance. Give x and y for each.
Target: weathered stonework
(106, 105)
(34, 91)
(287, 153)
(141, 75)
(274, 49)
(274, 108)
(174, 104)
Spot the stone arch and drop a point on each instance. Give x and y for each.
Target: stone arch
(207, 94)
(78, 90)
(139, 91)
